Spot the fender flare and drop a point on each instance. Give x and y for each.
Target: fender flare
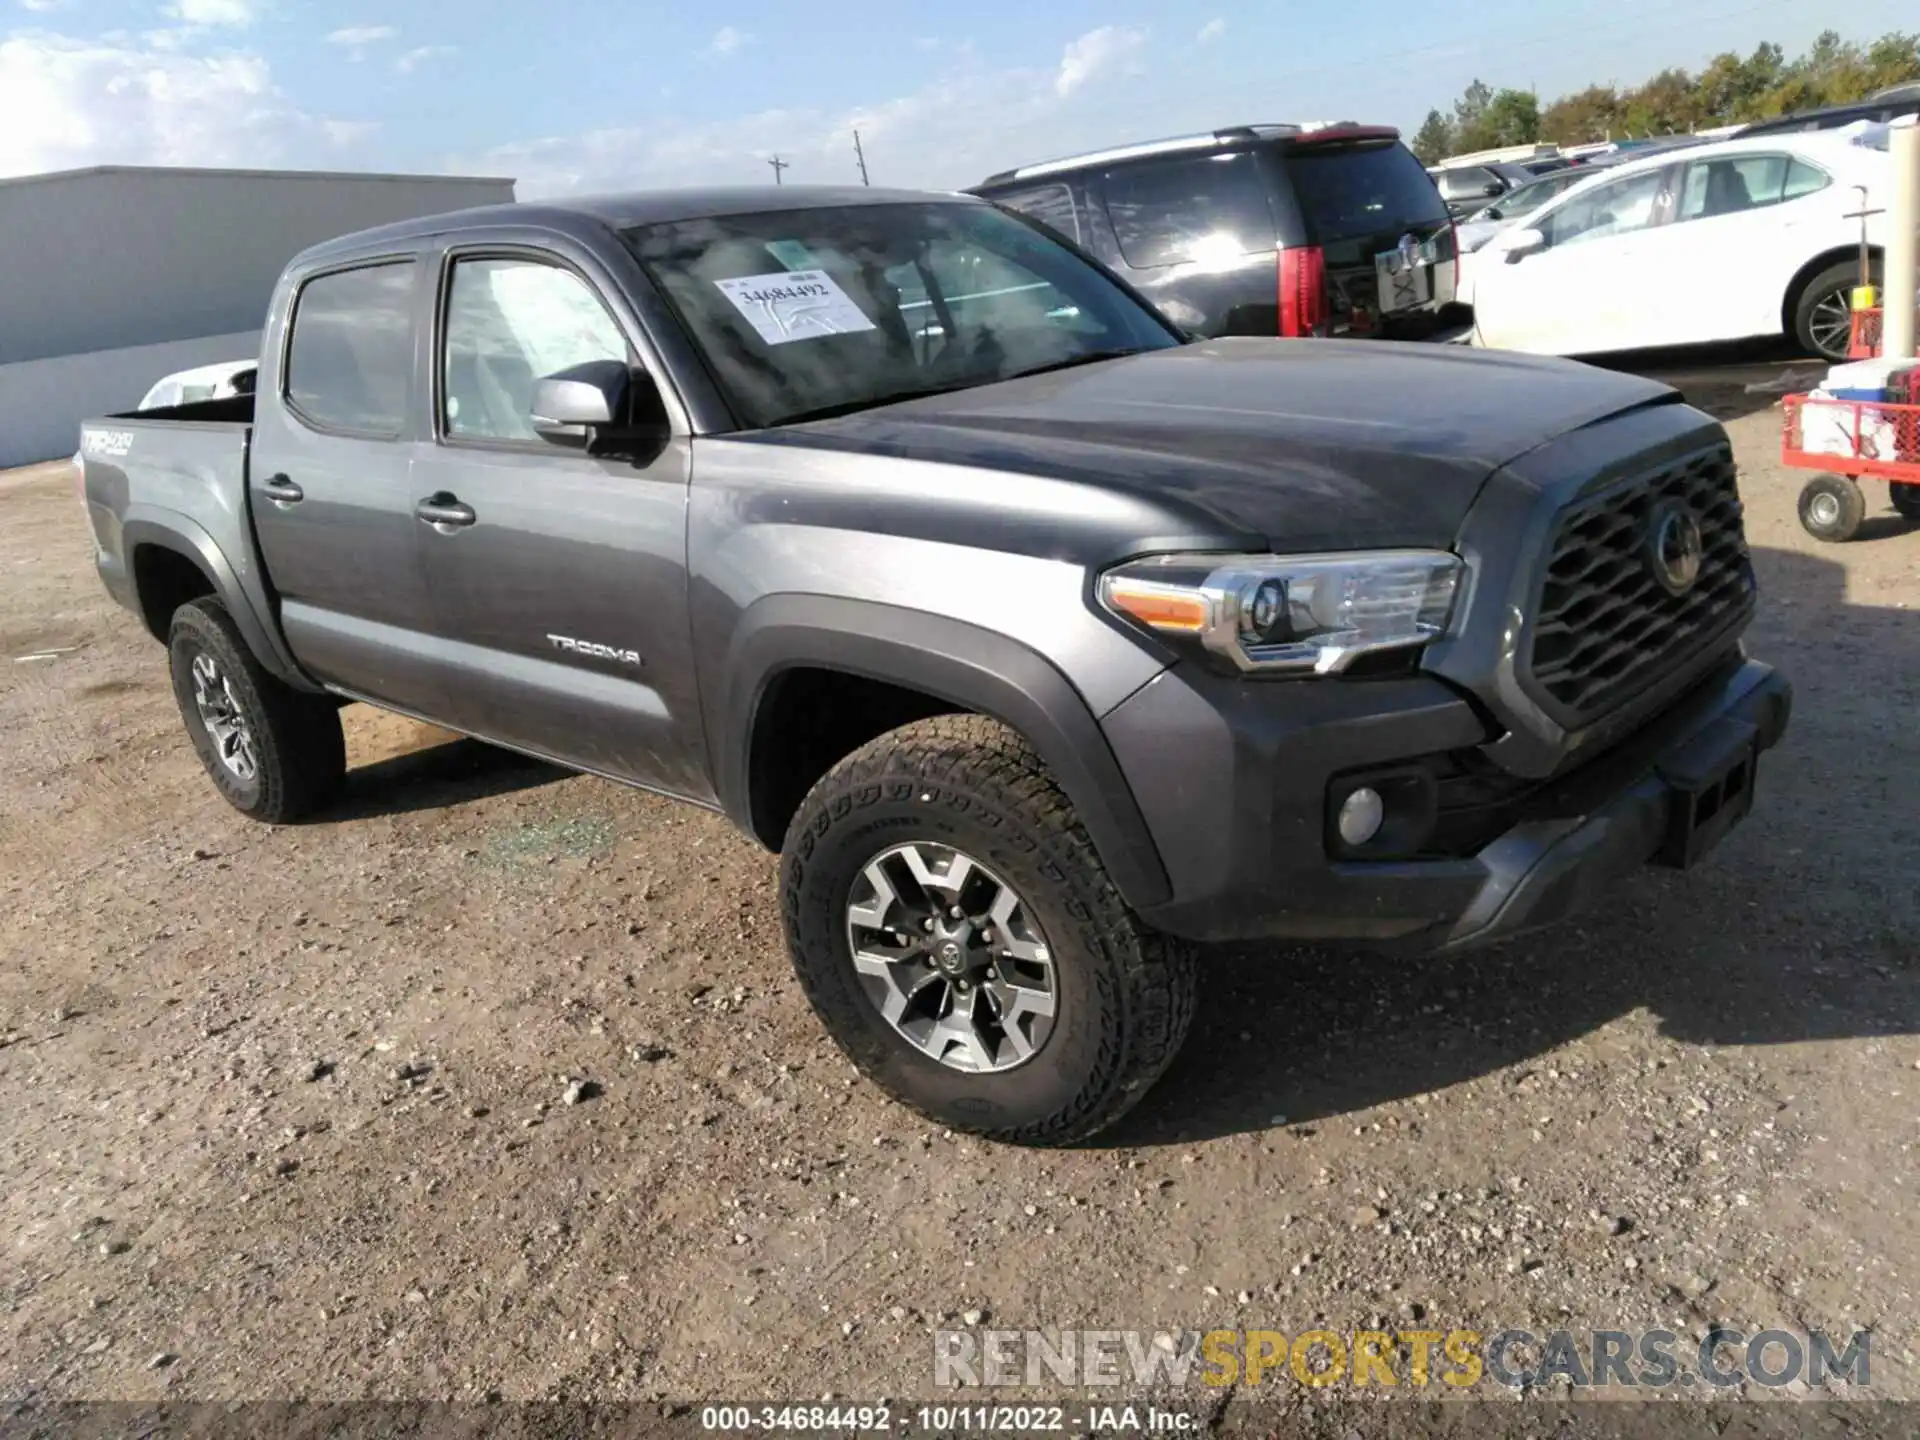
(169, 530)
(962, 664)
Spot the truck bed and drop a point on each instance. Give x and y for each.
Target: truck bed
(174, 479)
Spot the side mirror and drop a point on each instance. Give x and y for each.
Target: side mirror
(601, 400)
(1513, 246)
(1493, 188)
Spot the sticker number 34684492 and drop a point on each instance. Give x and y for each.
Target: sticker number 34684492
(794, 305)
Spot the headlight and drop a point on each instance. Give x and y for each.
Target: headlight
(1289, 614)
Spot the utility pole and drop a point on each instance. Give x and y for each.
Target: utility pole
(861, 156)
(778, 165)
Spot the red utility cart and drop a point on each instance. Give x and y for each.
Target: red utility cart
(1848, 439)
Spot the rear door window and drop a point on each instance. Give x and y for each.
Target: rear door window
(1051, 205)
(1205, 208)
(1729, 185)
(1347, 191)
(351, 353)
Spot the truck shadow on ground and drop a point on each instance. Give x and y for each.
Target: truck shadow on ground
(1805, 926)
(436, 777)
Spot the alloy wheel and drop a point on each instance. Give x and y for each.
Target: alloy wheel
(952, 958)
(225, 721)
(1831, 325)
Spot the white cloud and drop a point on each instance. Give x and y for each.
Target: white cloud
(415, 58)
(120, 100)
(911, 140)
(358, 35)
(40, 7)
(1211, 31)
(1095, 51)
(727, 41)
(214, 12)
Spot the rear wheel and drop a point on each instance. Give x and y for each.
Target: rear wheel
(1832, 507)
(957, 934)
(1823, 313)
(1906, 498)
(275, 753)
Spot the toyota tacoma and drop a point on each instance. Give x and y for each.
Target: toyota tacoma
(1043, 643)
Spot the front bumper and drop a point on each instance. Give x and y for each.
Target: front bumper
(1233, 778)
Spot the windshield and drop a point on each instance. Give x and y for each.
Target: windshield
(1527, 198)
(803, 313)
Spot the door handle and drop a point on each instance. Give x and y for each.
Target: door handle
(444, 512)
(281, 490)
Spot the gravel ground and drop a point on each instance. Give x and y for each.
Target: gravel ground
(495, 1082)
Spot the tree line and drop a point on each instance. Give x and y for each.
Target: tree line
(1729, 90)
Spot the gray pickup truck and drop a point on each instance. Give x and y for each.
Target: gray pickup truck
(1041, 642)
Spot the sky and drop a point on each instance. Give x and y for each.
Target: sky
(583, 96)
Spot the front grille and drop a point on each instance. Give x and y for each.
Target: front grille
(1605, 627)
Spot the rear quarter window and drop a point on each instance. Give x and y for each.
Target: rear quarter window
(1196, 208)
(350, 356)
(1345, 191)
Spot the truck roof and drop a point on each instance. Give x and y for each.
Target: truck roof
(617, 211)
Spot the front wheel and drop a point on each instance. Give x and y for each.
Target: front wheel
(1832, 507)
(274, 753)
(957, 934)
(1906, 498)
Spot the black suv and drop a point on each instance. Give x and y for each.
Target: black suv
(1261, 229)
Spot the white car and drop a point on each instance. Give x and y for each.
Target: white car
(1718, 242)
(203, 382)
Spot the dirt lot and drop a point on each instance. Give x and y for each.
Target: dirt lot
(281, 1111)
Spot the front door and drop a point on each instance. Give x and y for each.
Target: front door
(559, 578)
(1598, 283)
(329, 493)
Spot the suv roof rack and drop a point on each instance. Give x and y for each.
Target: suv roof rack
(1206, 140)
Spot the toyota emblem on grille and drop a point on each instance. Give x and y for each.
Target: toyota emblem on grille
(1674, 547)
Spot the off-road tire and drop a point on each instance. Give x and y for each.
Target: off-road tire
(1126, 993)
(1832, 507)
(1906, 498)
(299, 749)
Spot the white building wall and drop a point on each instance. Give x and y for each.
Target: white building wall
(113, 277)
(42, 402)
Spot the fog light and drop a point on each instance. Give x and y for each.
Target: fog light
(1361, 814)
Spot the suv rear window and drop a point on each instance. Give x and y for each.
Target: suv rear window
(1346, 191)
(1170, 212)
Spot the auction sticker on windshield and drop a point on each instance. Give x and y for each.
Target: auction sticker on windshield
(795, 305)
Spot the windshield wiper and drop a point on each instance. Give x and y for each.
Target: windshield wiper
(1091, 357)
(871, 402)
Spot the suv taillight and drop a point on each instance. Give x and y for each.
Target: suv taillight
(1303, 290)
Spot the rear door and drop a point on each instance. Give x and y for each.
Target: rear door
(1751, 222)
(328, 488)
(1383, 234)
(1196, 234)
(560, 590)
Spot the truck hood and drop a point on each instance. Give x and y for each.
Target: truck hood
(1303, 444)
